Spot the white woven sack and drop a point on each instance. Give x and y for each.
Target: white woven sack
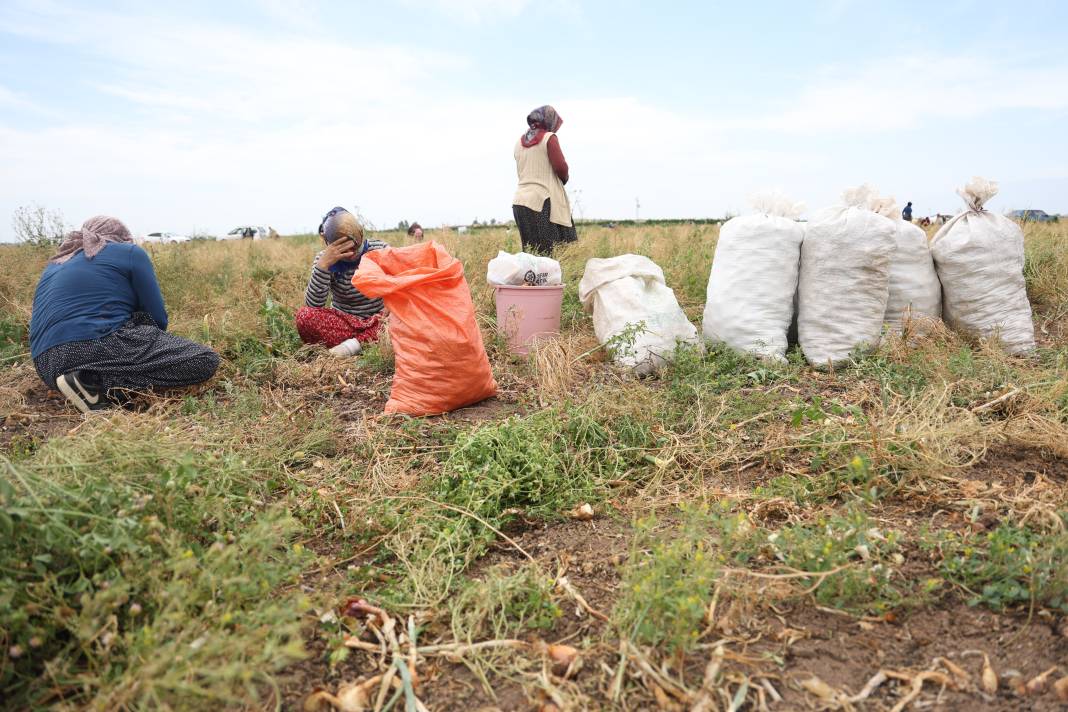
(843, 284)
(915, 293)
(979, 256)
(751, 288)
(628, 290)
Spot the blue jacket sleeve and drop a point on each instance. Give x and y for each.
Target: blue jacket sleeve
(143, 277)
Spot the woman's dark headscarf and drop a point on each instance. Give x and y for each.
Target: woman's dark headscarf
(541, 120)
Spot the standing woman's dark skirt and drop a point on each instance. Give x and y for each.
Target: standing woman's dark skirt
(538, 233)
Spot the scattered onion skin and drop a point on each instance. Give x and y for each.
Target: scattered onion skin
(1039, 683)
(562, 657)
(584, 512)
(989, 678)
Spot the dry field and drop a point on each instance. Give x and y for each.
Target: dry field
(887, 536)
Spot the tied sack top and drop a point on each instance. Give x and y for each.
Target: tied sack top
(538, 181)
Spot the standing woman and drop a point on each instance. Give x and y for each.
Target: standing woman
(541, 208)
(98, 326)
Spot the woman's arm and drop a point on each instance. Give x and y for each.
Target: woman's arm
(556, 158)
(146, 286)
(318, 286)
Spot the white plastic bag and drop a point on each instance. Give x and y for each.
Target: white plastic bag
(521, 268)
(843, 284)
(915, 293)
(979, 256)
(751, 289)
(630, 300)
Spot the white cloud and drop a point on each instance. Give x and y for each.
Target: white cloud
(158, 61)
(474, 11)
(902, 92)
(14, 100)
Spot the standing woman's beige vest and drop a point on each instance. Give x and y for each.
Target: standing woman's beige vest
(538, 181)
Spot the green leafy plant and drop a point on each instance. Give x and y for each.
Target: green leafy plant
(104, 579)
(855, 477)
(622, 345)
(859, 554)
(668, 579)
(1009, 566)
(502, 605)
(281, 328)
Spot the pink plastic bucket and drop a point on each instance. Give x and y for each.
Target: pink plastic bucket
(526, 312)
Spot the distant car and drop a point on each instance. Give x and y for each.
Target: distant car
(254, 232)
(1032, 216)
(167, 238)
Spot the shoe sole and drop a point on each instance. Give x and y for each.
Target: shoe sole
(74, 395)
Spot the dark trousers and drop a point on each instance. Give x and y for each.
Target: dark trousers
(139, 356)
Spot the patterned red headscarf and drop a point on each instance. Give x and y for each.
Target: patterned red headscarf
(95, 233)
(541, 120)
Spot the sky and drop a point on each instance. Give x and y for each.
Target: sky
(203, 116)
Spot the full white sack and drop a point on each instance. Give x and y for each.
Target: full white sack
(915, 292)
(751, 288)
(522, 268)
(628, 290)
(979, 256)
(844, 281)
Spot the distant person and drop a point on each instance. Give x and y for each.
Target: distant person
(541, 208)
(352, 318)
(906, 214)
(415, 230)
(99, 325)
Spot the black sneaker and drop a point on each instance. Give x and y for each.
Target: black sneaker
(79, 390)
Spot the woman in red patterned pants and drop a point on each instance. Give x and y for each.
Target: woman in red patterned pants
(352, 318)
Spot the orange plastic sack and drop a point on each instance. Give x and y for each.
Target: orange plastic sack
(441, 361)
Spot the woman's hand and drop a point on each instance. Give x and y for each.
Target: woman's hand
(340, 251)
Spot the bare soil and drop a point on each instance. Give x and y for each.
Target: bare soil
(1007, 462)
(784, 645)
(46, 413)
(845, 652)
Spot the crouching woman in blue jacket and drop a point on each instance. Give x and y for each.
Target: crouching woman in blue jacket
(98, 327)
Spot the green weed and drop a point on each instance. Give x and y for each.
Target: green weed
(895, 378)
(127, 591)
(855, 477)
(503, 605)
(1009, 566)
(537, 467)
(283, 339)
(718, 369)
(13, 343)
(861, 555)
(667, 583)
